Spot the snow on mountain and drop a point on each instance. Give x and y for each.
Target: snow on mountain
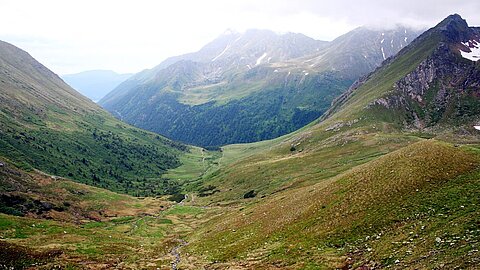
(473, 52)
(259, 60)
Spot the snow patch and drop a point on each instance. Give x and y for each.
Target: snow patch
(306, 73)
(383, 53)
(476, 127)
(405, 39)
(237, 39)
(391, 43)
(268, 60)
(474, 53)
(228, 32)
(216, 57)
(249, 67)
(383, 34)
(381, 42)
(259, 60)
(276, 70)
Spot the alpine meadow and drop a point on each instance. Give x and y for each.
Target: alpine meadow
(308, 135)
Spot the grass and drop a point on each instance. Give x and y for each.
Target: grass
(183, 210)
(97, 228)
(46, 125)
(350, 191)
(269, 171)
(337, 213)
(195, 164)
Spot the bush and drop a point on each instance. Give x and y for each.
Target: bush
(250, 194)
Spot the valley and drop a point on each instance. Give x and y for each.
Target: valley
(384, 173)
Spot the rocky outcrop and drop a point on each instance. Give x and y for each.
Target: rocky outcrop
(443, 87)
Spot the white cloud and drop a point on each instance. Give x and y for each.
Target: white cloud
(130, 35)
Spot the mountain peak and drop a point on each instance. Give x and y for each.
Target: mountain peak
(454, 28)
(230, 31)
(453, 21)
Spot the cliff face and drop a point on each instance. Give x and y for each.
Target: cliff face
(443, 87)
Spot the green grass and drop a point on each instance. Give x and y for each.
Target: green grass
(183, 210)
(268, 170)
(135, 239)
(379, 196)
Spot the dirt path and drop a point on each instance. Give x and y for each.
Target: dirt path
(176, 254)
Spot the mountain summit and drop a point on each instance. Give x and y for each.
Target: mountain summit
(432, 84)
(250, 87)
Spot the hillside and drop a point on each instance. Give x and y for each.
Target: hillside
(49, 222)
(357, 129)
(361, 187)
(260, 86)
(95, 84)
(47, 125)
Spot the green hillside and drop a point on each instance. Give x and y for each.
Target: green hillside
(391, 208)
(359, 188)
(46, 125)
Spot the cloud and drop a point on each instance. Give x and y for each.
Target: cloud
(130, 35)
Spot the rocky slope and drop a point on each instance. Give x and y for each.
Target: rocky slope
(444, 88)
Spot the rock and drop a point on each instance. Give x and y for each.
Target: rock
(438, 83)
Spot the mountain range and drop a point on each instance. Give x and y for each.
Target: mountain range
(250, 87)
(387, 177)
(95, 84)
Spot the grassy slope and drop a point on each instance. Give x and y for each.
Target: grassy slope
(374, 133)
(425, 183)
(87, 227)
(270, 229)
(45, 124)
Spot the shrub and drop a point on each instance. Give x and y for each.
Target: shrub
(250, 194)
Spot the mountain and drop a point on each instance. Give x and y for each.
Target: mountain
(95, 84)
(365, 186)
(47, 125)
(362, 187)
(431, 86)
(249, 87)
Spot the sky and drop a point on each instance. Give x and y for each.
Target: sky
(127, 36)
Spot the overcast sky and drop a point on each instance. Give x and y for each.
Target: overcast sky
(70, 36)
